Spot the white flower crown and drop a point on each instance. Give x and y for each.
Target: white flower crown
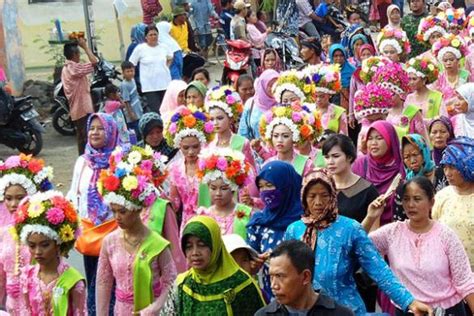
(217, 174)
(412, 70)
(392, 87)
(283, 121)
(16, 179)
(456, 52)
(325, 90)
(430, 31)
(290, 87)
(115, 198)
(219, 104)
(391, 42)
(189, 132)
(366, 112)
(39, 229)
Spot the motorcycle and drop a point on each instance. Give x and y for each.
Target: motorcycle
(19, 126)
(104, 73)
(237, 60)
(286, 47)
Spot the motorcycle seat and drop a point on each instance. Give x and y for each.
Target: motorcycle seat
(22, 99)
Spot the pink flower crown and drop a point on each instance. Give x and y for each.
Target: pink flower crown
(429, 25)
(327, 79)
(370, 66)
(450, 44)
(372, 99)
(423, 67)
(456, 18)
(226, 99)
(395, 37)
(133, 177)
(226, 164)
(49, 214)
(393, 77)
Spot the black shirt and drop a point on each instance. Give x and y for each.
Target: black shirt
(324, 306)
(354, 201)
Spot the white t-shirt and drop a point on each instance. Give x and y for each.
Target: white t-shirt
(154, 72)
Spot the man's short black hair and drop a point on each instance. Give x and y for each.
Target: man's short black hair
(127, 65)
(224, 3)
(314, 44)
(70, 50)
(300, 254)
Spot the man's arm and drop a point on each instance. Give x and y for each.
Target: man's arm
(90, 55)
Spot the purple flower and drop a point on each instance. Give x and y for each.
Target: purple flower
(175, 117)
(307, 80)
(227, 92)
(230, 99)
(150, 199)
(172, 128)
(200, 116)
(296, 117)
(221, 163)
(216, 88)
(316, 78)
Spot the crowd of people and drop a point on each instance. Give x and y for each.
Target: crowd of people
(344, 187)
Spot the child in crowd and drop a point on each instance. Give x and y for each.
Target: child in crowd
(201, 74)
(335, 22)
(130, 98)
(113, 106)
(226, 16)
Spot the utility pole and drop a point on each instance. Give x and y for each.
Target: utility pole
(90, 25)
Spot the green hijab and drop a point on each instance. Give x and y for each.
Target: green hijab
(199, 86)
(223, 286)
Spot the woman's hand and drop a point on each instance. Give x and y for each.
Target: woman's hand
(256, 145)
(376, 208)
(245, 197)
(420, 309)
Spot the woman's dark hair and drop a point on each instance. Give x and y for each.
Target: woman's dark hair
(300, 254)
(110, 89)
(200, 70)
(344, 142)
(150, 28)
(242, 79)
(424, 183)
(260, 14)
(249, 13)
(70, 50)
(308, 186)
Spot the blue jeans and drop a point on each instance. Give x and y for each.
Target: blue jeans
(176, 67)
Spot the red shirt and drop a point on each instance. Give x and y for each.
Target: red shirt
(76, 88)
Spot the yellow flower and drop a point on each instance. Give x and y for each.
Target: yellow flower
(148, 150)
(307, 88)
(13, 233)
(455, 42)
(35, 209)
(280, 111)
(130, 183)
(134, 157)
(431, 67)
(100, 187)
(66, 233)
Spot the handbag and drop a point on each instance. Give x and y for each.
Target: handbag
(90, 240)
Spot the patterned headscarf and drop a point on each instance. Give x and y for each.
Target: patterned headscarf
(98, 159)
(460, 155)
(137, 34)
(322, 220)
(438, 152)
(428, 164)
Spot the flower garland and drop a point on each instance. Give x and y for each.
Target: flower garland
(226, 164)
(456, 19)
(28, 172)
(189, 121)
(370, 66)
(450, 44)
(372, 99)
(290, 81)
(49, 214)
(226, 99)
(392, 76)
(326, 78)
(394, 37)
(294, 117)
(430, 25)
(423, 67)
(133, 177)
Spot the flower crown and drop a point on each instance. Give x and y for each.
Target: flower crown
(326, 78)
(133, 177)
(49, 214)
(370, 67)
(450, 44)
(372, 99)
(189, 121)
(456, 18)
(294, 117)
(226, 164)
(26, 171)
(394, 37)
(393, 77)
(290, 80)
(226, 99)
(430, 25)
(423, 67)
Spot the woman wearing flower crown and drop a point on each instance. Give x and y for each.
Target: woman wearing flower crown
(290, 88)
(282, 128)
(48, 224)
(456, 19)
(225, 171)
(371, 104)
(96, 217)
(327, 80)
(422, 72)
(20, 176)
(135, 257)
(430, 29)
(405, 120)
(189, 130)
(449, 50)
(393, 43)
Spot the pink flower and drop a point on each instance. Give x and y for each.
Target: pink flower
(296, 117)
(147, 164)
(268, 117)
(330, 77)
(172, 128)
(398, 34)
(55, 216)
(209, 127)
(423, 64)
(230, 99)
(404, 120)
(150, 199)
(136, 193)
(311, 119)
(118, 157)
(12, 162)
(142, 182)
(221, 163)
(202, 164)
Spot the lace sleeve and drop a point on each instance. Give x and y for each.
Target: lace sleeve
(79, 299)
(343, 124)
(171, 303)
(104, 280)
(164, 275)
(3, 282)
(418, 127)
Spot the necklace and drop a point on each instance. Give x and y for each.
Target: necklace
(452, 83)
(131, 243)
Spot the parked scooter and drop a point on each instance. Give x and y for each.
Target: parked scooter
(287, 49)
(237, 61)
(19, 124)
(104, 73)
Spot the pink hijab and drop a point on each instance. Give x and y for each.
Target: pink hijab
(170, 99)
(262, 100)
